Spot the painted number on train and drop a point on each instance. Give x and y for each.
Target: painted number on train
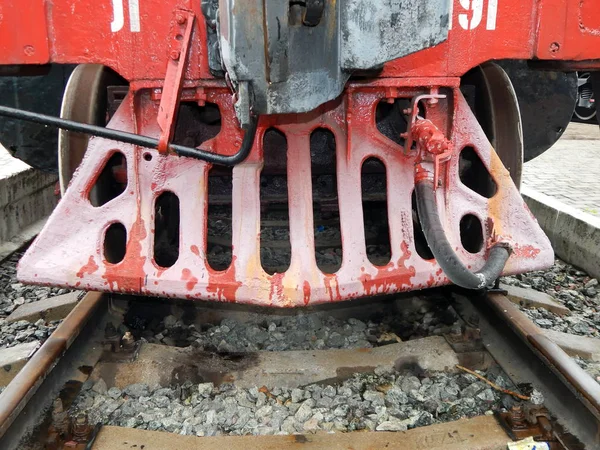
(470, 14)
(119, 18)
(475, 13)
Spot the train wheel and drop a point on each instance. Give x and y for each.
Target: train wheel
(496, 107)
(85, 100)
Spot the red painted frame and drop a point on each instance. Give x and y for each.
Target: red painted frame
(69, 31)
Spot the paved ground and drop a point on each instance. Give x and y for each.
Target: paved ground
(570, 170)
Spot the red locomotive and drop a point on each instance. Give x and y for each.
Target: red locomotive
(289, 153)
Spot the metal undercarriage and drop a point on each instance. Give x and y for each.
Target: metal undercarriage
(301, 153)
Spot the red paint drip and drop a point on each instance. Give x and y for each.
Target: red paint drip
(306, 291)
(90, 267)
(223, 284)
(195, 250)
(526, 251)
(129, 274)
(430, 281)
(276, 287)
(390, 275)
(329, 279)
(186, 275)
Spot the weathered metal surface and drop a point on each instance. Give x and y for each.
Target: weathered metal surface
(137, 41)
(79, 261)
(478, 433)
(374, 33)
(497, 109)
(16, 395)
(292, 62)
(286, 65)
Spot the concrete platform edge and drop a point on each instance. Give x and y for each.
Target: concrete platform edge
(575, 235)
(7, 248)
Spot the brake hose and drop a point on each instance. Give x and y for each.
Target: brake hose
(136, 139)
(443, 252)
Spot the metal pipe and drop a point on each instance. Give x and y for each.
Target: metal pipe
(16, 395)
(442, 250)
(584, 386)
(136, 139)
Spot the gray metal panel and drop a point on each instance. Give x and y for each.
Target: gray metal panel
(374, 32)
(279, 64)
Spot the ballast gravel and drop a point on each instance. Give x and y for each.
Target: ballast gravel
(383, 401)
(12, 295)
(20, 332)
(303, 331)
(569, 286)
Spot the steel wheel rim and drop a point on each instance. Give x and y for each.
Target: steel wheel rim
(84, 101)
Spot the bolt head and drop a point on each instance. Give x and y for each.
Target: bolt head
(181, 19)
(175, 55)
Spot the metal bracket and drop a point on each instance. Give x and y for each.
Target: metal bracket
(180, 36)
(414, 116)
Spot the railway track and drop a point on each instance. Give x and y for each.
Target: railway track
(92, 385)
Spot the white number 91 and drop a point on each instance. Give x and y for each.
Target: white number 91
(474, 9)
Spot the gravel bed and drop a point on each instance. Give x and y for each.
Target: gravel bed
(383, 401)
(309, 331)
(591, 367)
(14, 294)
(22, 331)
(571, 287)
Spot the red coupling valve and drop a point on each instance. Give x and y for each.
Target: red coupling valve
(430, 141)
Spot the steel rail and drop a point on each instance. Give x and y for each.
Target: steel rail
(505, 332)
(25, 384)
(577, 379)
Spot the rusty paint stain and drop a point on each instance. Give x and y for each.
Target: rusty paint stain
(89, 268)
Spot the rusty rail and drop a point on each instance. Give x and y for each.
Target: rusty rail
(28, 380)
(577, 379)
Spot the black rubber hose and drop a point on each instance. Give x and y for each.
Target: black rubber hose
(136, 139)
(445, 256)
